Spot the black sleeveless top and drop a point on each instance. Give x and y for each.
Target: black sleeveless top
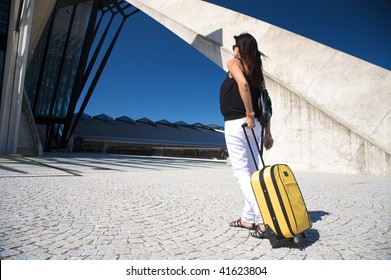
(231, 103)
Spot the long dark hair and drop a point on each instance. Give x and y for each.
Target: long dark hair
(249, 53)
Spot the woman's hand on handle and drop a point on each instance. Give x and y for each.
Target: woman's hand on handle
(250, 122)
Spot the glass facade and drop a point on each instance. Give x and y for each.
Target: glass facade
(51, 73)
(72, 58)
(62, 59)
(4, 19)
(56, 73)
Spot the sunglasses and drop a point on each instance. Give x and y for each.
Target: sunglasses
(234, 46)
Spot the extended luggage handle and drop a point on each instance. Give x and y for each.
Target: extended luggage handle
(256, 142)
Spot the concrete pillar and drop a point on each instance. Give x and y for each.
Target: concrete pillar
(15, 69)
(332, 111)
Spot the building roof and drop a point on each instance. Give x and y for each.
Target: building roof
(103, 128)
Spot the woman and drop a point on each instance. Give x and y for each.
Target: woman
(238, 104)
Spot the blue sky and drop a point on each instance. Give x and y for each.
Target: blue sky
(153, 73)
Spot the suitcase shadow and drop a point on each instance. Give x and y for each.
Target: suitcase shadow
(317, 215)
(309, 237)
(312, 235)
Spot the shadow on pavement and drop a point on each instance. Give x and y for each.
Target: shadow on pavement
(317, 215)
(307, 238)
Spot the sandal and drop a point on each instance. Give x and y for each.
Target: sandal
(258, 233)
(238, 224)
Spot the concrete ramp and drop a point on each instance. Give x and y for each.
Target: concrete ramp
(332, 111)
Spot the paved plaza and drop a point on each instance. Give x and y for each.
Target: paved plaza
(89, 206)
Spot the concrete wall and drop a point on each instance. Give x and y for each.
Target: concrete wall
(332, 111)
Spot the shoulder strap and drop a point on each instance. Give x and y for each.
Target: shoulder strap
(262, 86)
(244, 69)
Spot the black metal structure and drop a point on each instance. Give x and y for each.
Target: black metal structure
(68, 62)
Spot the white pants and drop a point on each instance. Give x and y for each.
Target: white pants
(243, 164)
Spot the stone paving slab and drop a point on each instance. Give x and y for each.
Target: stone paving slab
(85, 206)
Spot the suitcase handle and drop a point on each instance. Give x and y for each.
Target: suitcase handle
(256, 142)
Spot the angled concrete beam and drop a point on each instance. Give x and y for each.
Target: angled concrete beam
(352, 92)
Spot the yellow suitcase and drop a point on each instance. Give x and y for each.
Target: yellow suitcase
(280, 201)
